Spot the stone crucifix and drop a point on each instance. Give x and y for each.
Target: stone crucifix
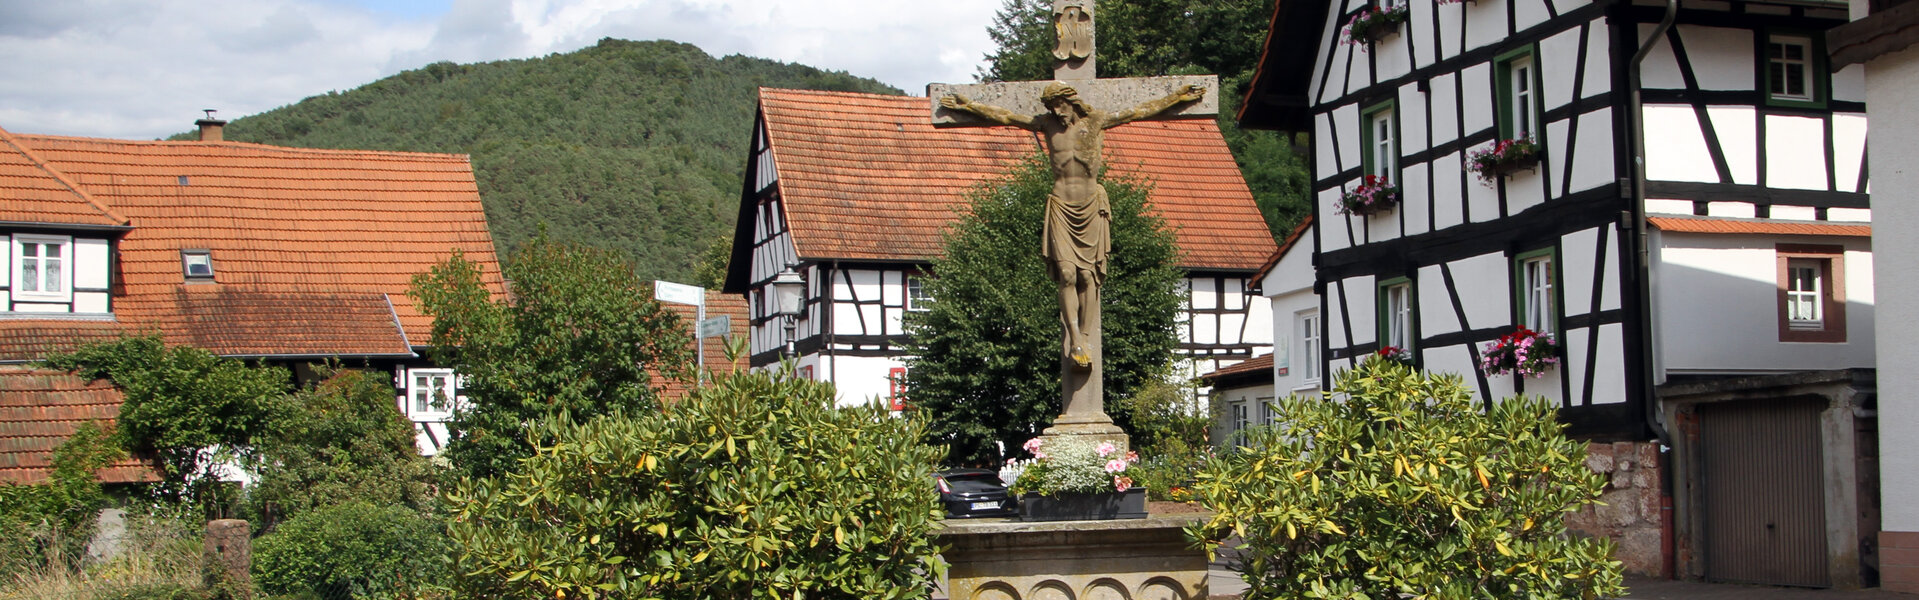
(1072, 114)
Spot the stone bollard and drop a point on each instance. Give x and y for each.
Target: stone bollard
(228, 556)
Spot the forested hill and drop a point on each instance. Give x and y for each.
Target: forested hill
(631, 145)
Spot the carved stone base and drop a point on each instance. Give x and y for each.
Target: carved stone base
(1097, 430)
(1143, 559)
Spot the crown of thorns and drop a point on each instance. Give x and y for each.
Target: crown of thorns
(1056, 91)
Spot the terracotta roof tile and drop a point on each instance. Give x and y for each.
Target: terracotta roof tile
(332, 232)
(1246, 367)
(867, 177)
(39, 409)
(717, 303)
(30, 192)
(1709, 225)
(23, 340)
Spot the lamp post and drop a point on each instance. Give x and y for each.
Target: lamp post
(788, 289)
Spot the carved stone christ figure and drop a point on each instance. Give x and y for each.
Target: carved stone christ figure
(1077, 214)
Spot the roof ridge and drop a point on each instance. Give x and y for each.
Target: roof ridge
(805, 92)
(237, 144)
(57, 175)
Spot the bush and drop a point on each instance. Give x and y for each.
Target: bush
(353, 549)
(337, 441)
(754, 486)
(48, 523)
(1170, 431)
(1396, 485)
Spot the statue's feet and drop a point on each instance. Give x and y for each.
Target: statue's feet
(1080, 357)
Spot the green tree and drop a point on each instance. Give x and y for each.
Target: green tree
(580, 335)
(51, 521)
(184, 406)
(1397, 485)
(754, 487)
(339, 440)
(984, 359)
(709, 268)
(1142, 38)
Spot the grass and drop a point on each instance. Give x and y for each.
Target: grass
(159, 558)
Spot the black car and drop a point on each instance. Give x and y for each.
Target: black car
(974, 493)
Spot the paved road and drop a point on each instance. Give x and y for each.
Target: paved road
(1226, 585)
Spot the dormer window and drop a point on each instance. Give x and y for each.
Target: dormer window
(42, 268)
(197, 265)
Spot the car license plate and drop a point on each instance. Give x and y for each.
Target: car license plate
(985, 506)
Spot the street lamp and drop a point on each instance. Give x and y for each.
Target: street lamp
(788, 290)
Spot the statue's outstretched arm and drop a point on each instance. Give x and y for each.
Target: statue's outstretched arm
(1150, 108)
(989, 112)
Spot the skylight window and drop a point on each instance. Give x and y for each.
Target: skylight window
(197, 264)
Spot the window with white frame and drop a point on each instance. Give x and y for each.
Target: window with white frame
(1537, 301)
(1396, 314)
(1239, 416)
(1519, 97)
(1805, 294)
(916, 297)
(1790, 68)
(1309, 345)
(1267, 412)
(430, 393)
(1382, 147)
(42, 267)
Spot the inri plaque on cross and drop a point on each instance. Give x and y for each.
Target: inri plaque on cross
(1072, 114)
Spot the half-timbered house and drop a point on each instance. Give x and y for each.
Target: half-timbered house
(1674, 192)
(852, 192)
(286, 256)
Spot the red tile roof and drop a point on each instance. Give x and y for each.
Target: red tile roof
(30, 192)
(717, 303)
(1249, 367)
(867, 177)
(24, 340)
(324, 237)
(1710, 225)
(39, 409)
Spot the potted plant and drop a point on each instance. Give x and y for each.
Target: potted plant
(1524, 352)
(1374, 23)
(1374, 195)
(1503, 158)
(1072, 479)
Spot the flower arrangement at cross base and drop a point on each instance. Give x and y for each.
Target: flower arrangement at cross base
(1524, 352)
(1374, 195)
(1069, 466)
(1373, 23)
(1503, 158)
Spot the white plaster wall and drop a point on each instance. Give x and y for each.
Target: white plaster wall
(1483, 290)
(1527, 13)
(1445, 96)
(1890, 81)
(1738, 131)
(1848, 150)
(1289, 347)
(1795, 152)
(89, 265)
(1718, 306)
(6, 260)
(858, 379)
(1675, 146)
(90, 302)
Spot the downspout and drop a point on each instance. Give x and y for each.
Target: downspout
(1642, 259)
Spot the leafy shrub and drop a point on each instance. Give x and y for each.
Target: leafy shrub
(1396, 485)
(179, 402)
(1170, 431)
(48, 523)
(354, 549)
(339, 440)
(755, 486)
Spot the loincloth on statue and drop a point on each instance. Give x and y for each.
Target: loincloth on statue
(1078, 234)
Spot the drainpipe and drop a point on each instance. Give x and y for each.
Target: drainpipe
(1642, 259)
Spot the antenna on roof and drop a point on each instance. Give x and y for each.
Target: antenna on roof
(210, 127)
(209, 112)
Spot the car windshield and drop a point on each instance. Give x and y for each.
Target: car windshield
(974, 482)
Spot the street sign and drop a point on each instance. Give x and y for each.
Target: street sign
(678, 293)
(716, 326)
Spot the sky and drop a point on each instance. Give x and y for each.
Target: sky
(144, 69)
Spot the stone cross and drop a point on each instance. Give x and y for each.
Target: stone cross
(1072, 114)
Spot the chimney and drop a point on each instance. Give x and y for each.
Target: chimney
(210, 127)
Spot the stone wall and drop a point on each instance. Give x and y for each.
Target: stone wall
(1632, 514)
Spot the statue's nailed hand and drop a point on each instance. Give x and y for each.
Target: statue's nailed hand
(1191, 92)
(955, 102)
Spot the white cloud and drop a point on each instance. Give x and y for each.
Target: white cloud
(144, 69)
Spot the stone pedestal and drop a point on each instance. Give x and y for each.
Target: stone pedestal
(1139, 559)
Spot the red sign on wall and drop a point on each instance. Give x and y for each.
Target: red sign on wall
(896, 388)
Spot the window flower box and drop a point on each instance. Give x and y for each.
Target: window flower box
(1524, 352)
(1372, 24)
(1373, 196)
(1503, 158)
(1075, 480)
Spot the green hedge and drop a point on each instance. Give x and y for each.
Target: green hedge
(353, 550)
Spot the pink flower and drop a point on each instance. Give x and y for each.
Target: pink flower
(1039, 455)
(1116, 465)
(1105, 448)
(1121, 484)
(1131, 456)
(1032, 445)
